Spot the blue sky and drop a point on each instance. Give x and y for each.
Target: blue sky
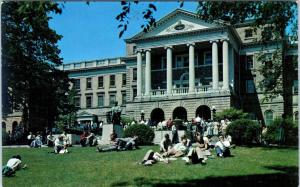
(90, 31)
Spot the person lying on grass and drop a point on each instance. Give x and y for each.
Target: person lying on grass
(178, 149)
(13, 164)
(200, 151)
(152, 157)
(120, 144)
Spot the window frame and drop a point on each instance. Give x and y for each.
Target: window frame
(101, 77)
(248, 84)
(75, 83)
(86, 101)
(100, 95)
(112, 81)
(89, 82)
(204, 57)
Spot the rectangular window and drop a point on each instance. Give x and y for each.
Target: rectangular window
(124, 79)
(134, 93)
(179, 62)
(88, 101)
(295, 86)
(134, 74)
(163, 63)
(100, 82)
(112, 99)
(250, 87)
(186, 60)
(77, 101)
(77, 84)
(100, 100)
(207, 57)
(249, 62)
(123, 98)
(248, 33)
(112, 80)
(88, 83)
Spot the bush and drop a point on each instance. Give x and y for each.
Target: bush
(289, 135)
(145, 133)
(243, 131)
(231, 114)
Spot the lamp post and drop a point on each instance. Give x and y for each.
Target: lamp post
(142, 115)
(213, 110)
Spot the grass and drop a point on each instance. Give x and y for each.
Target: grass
(86, 167)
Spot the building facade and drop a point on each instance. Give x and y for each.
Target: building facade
(182, 68)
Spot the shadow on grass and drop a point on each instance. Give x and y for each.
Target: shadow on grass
(288, 176)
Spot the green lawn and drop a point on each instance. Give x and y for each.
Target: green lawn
(86, 167)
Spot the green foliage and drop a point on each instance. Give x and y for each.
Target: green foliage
(274, 133)
(243, 131)
(231, 114)
(126, 120)
(145, 133)
(29, 57)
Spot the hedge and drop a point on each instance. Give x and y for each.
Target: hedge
(145, 133)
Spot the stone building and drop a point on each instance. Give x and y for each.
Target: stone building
(181, 68)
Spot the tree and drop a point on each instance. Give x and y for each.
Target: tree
(29, 57)
(273, 18)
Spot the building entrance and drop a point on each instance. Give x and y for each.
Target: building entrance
(180, 113)
(157, 115)
(204, 112)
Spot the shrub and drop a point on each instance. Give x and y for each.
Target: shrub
(243, 131)
(290, 132)
(126, 120)
(145, 133)
(231, 114)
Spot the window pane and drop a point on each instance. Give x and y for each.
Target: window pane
(249, 62)
(100, 82)
(250, 88)
(268, 117)
(100, 100)
(134, 74)
(112, 80)
(295, 86)
(88, 101)
(88, 83)
(124, 79)
(248, 33)
(77, 84)
(207, 58)
(123, 98)
(112, 100)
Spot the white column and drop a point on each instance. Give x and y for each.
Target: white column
(169, 70)
(139, 73)
(225, 66)
(148, 72)
(215, 67)
(191, 68)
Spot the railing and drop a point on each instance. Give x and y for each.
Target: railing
(203, 89)
(158, 92)
(180, 91)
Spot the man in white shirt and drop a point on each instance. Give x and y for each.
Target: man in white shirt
(60, 146)
(222, 147)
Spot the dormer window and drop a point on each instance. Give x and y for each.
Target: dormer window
(248, 33)
(179, 26)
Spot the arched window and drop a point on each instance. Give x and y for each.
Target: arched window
(268, 117)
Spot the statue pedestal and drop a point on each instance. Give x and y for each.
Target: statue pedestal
(107, 129)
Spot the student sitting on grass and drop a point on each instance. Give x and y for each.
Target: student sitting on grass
(37, 142)
(60, 146)
(120, 144)
(50, 140)
(179, 149)
(13, 164)
(222, 147)
(165, 144)
(200, 151)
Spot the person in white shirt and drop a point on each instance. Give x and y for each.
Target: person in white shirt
(66, 139)
(60, 146)
(13, 164)
(222, 147)
(50, 140)
(30, 138)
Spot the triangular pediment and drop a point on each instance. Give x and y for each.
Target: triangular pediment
(178, 21)
(84, 114)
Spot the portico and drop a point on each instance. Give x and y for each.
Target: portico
(197, 55)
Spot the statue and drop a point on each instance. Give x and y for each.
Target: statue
(116, 114)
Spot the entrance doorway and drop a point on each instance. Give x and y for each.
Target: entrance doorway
(204, 112)
(180, 113)
(157, 115)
